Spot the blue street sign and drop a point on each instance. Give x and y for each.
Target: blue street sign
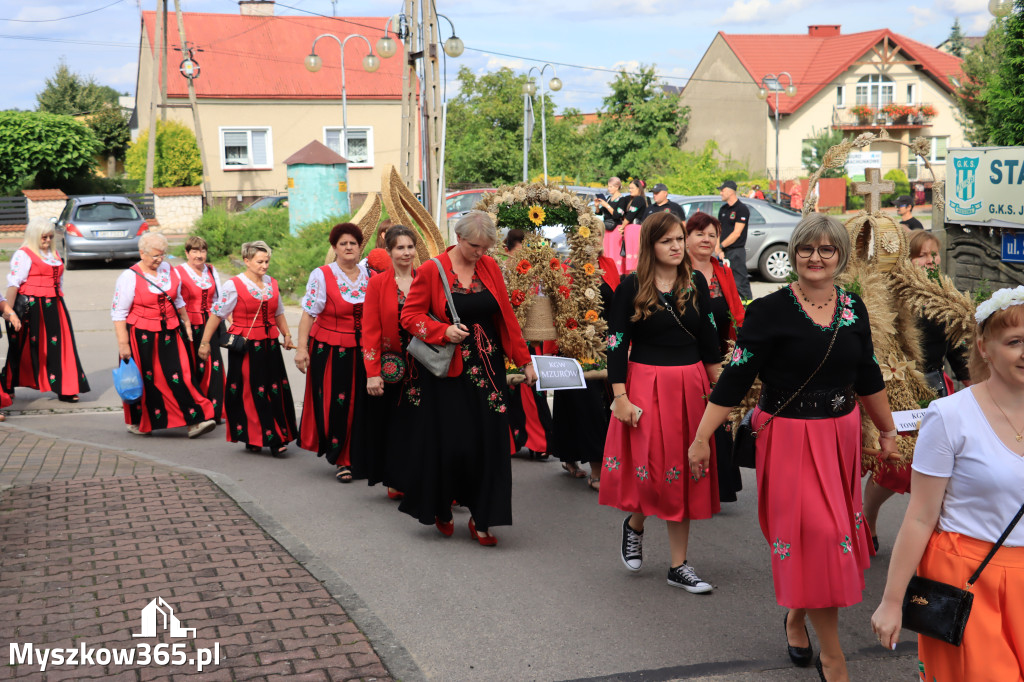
(1013, 246)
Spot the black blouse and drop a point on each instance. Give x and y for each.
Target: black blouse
(782, 345)
(617, 214)
(634, 208)
(658, 339)
(937, 347)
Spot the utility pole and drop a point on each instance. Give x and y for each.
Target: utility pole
(408, 158)
(431, 107)
(158, 73)
(194, 105)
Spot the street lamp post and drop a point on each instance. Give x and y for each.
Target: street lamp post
(529, 90)
(370, 64)
(771, 83)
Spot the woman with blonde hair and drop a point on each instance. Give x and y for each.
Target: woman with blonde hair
(200, 289)
(663, 357)
(42, 353)
(152, 328)
(258, 405)
(967, 483)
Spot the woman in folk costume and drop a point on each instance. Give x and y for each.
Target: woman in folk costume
(200, 289)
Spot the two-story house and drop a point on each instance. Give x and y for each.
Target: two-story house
(258, 104)
(855, 83)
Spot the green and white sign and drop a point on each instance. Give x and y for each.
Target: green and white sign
(985, 184)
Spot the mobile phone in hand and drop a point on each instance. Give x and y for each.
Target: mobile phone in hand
(639, 413)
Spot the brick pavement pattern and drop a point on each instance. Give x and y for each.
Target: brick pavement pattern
(81, 557)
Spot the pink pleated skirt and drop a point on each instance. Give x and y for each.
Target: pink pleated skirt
(810, 509)
(646, 469)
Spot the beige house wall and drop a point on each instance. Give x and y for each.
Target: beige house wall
(292, 125)
(724, 107)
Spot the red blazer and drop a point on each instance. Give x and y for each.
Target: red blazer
(427, 295)
(611, 274)
(732, 296)
(380, 320)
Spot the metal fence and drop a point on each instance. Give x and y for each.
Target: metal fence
(13, 211)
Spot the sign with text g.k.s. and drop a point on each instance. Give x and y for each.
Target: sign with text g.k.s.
(985, 184)
(557, 374)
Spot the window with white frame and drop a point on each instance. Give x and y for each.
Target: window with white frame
(910, 93)
(936, 155)
(245, 148)
(360, 145)
(875, 90)
(841, 96)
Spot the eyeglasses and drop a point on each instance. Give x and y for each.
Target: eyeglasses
(826, 251)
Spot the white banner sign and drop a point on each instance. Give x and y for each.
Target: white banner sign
(908, 420)
(984, 184)
(856, 162)
(556, 374)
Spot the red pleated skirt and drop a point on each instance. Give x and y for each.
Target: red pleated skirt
(810, 509)
(646, 469)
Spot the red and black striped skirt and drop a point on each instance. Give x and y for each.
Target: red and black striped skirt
(258, 403)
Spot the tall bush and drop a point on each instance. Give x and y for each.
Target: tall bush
(902, 186)
(47, 151)
(177, 162)
(226, 232)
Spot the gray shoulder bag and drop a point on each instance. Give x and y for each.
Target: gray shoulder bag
(436, 359)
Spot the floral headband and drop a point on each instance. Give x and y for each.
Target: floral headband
(1000, 300)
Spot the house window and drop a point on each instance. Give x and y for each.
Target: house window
(245, 148)
(937, 155)
(360, 145)
(910, 93)
(875, 90)
(939, 148)
(841, 96)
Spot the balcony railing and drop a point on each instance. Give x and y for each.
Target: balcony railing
(890, 116)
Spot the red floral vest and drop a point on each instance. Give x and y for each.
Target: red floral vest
(249, 318)
(43, 278)
(150, 311)
(340, 322)
(197, 299)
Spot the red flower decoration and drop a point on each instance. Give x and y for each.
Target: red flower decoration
(555, 264)
(571, 323)
(564, 291)
(517, 297)
(523, 267)
(378, 259)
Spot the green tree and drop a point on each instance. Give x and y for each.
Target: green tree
(637, 116)
(44, 150)
(67, 92)
(177, 162)
(814, 151)
(1005, 93)
(980, 67)
(111, 129)
(957, 46)
(902, 185)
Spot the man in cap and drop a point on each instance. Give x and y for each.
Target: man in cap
(661, 203)
(905, 206)
(734, 217)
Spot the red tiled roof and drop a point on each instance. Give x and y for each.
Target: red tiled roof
(816, 61)
(263, 57)
(195, 191)
(44, 194)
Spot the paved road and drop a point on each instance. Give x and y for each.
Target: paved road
(551, 602)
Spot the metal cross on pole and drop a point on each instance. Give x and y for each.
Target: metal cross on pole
(872, 188)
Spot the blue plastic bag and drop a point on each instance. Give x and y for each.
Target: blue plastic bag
(128, 381)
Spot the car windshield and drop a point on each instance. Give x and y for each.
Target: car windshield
(105, 212)
(265, 202)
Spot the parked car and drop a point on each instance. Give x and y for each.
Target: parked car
(768, 232)
(458, 203)
(279, 201)
(98, 228)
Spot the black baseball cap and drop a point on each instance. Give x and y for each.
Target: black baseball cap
(728, 183)
(904, 201)
(660, 187)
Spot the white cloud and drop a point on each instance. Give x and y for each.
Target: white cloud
(962, 6)
(48, 12)
(923, 16)
(980, 24)
(749, 11)
(494, 63)
(118, 77)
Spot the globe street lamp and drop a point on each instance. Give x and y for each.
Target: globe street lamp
(529, 90)
(1000, 8)
(370, 64)
(770, 83)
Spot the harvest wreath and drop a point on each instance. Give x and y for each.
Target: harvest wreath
(573, 288)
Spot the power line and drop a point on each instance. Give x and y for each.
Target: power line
(42, 39)
(73, 16)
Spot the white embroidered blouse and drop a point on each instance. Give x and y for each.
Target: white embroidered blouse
(124, 291)
(316, 288)
(229, 296)
(202, 281)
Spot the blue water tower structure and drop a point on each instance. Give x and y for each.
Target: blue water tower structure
(317, 185)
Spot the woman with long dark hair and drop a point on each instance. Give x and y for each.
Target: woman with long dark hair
(200, 289)
(42, 353)
(331, 357)
(663, 356)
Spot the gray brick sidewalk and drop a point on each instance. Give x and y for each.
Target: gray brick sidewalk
(88, 537)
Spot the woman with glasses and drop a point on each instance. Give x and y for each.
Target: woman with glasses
(42, 353)
(810, 343)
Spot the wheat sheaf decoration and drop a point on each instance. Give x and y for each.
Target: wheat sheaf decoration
(573, 288)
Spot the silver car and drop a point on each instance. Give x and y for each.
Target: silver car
(768, 232)
(98, 228)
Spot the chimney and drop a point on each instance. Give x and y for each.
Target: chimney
(823, 31)
(256, 8)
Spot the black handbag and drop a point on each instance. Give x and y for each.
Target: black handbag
(236, 343)
(20, 306)
(744, 445)
(940, 611)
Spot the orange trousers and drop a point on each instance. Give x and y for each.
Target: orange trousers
(993, 645)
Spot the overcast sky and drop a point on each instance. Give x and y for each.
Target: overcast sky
(601, 34)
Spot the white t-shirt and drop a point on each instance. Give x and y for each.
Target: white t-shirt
(986, 479)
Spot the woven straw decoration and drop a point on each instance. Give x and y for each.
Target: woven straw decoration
(540, 321)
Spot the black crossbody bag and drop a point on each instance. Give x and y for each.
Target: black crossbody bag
(939, 610)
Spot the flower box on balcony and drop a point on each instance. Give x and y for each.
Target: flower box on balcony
(863, 113)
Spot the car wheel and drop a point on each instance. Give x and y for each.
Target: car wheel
(774, 263)
(68, 263)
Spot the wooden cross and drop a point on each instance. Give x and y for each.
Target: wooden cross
(872, 189)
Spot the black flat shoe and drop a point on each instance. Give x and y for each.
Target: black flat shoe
(817, 665)
(874, 541)
(800, 655)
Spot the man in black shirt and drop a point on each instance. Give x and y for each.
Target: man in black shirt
(904, 207)
(734, 217)
(661, 203)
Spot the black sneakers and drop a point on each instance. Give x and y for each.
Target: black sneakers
(684, 576)
(632, 550)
